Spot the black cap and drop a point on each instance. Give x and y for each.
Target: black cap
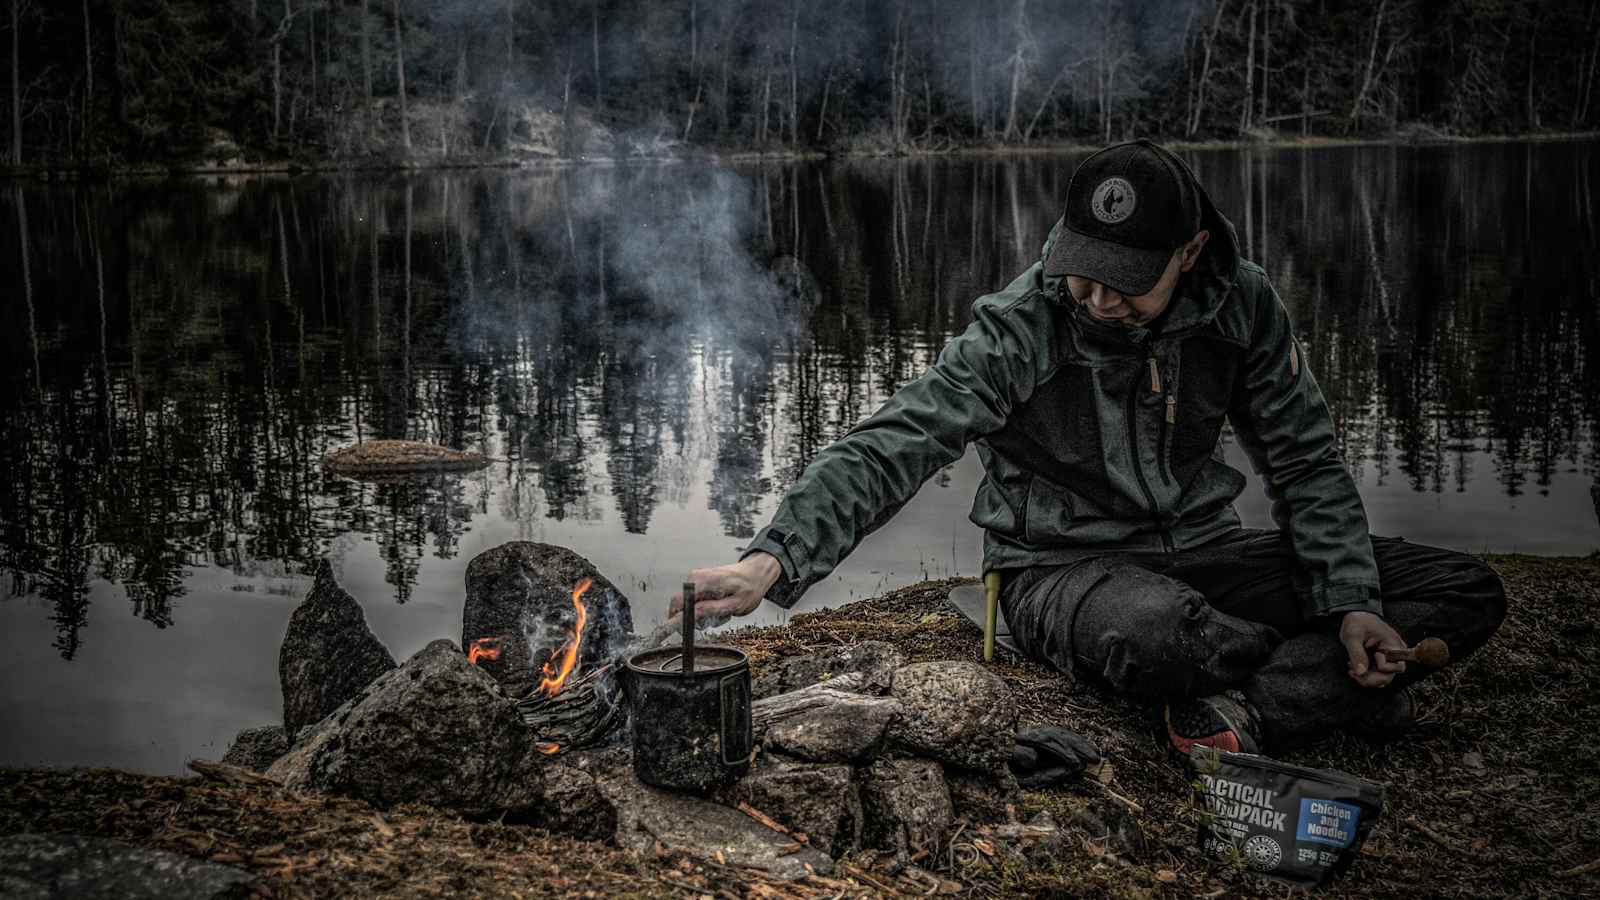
(1129, 207)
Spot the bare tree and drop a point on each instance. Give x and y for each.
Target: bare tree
(366, 52)
(1017, 64)
(794, 73)
(18, 7)
(400, 71)
(1372, 56)
(594, 41)
(1249, 71)
(1198, 107)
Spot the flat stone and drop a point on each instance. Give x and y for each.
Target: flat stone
(906, 805)
(701, 828)
(391, 457)
(519, 598)
(257, 749)
(876, 660)
(328, 654)
(850, 729)
(808, 799)
(956, 712)
(50, 866)
(437, 730)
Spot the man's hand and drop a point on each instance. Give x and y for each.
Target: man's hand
(735, 590)
(1363, 631)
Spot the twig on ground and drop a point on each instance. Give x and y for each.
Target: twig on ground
(1576, 871)
(1432, 835)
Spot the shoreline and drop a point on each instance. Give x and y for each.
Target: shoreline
(292, 167)
(1499, 765)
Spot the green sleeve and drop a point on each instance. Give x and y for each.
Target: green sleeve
(860, 481)
(1282, 421)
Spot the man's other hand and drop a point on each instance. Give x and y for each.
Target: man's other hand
(1363, 631)
(726, 591)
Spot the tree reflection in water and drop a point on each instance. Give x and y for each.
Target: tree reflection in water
(184, 355)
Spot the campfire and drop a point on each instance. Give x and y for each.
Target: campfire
(568, 708)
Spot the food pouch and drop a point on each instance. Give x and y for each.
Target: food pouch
(1291, 822)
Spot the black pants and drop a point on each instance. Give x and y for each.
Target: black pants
(1189, 623)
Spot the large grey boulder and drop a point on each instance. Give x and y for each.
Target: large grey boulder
(51, 866)
(437, 730)
(813, 800)
(906, 805)
(956, 712)
(328, 655)
(519, 596)
(257, 749)
(647, 816)
(875, 660)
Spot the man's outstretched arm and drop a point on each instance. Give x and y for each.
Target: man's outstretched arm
(860, 481)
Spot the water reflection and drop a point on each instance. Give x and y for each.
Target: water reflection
(184, 353)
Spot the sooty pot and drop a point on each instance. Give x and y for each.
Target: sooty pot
(690, 712)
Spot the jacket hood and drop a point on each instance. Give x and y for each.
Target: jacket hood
(1201, 291)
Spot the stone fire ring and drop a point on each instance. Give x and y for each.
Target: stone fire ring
(381, 458)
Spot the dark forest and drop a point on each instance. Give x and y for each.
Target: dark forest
(101, 83)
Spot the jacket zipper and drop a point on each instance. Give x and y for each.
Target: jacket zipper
(1133, 452)
(1169, 419)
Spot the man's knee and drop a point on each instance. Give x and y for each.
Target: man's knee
(1486, 596)
(1152, 636)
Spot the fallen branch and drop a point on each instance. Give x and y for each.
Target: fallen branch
(227, 774)
(1584, 869)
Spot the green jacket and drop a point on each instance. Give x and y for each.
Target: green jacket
(1099, 438)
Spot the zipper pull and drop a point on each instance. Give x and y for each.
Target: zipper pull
(1172, 409)
(1155, 377)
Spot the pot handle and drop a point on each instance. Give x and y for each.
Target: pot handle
(738, 738)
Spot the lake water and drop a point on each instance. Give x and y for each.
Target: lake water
(650, 355)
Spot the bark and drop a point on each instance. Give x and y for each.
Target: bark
(400, 72)
(772, 710)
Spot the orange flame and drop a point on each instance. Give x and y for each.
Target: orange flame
(555, 674)
(483, 648)
(548, 749)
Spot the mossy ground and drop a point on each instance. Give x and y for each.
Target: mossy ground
(1492, 796)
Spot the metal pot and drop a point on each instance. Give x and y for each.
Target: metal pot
(690, 712)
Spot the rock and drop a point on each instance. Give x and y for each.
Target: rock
(876, 660)
(520, 595)
(813, 800)
(437, 730)
(40, 866)
(328, 655)
(956, 712)
(689, 824)
(983, 797)
(851, 727)
(574, 805)
(906, 805)
(257, 749)
(380, 458)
